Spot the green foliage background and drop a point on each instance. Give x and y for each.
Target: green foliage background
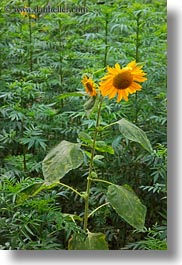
(44, 57)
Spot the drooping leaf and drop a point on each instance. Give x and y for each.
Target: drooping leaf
(29, 191)
(32, 190)
(134, 133)
(127, 205)
(60, 160)
(93, 241)
(91, 105)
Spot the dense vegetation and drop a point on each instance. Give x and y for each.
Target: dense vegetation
(44, 57)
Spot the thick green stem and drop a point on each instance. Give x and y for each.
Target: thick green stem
(137, 58)
(60, 68)
(89, 178)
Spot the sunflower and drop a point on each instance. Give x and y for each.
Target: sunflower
(122, 81)
(89, 86)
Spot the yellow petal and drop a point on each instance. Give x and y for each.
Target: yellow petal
(112, 94)
(120, 95)
(125, 95)
(117, 66)
(132, 64)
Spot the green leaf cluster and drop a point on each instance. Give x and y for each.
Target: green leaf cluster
(45, 115)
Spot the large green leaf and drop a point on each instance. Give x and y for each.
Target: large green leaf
(60, 160)
(127, 205)
(93, 241)
(134, 133)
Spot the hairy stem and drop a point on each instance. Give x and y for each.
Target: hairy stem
(89, 178)
(60, 67)
(137, 58)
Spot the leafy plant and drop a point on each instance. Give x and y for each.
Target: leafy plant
(36, 223)
(67, 156)
(156, 239)
(44, 110)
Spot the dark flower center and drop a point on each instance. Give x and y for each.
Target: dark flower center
(89, 87)
(123, 80)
